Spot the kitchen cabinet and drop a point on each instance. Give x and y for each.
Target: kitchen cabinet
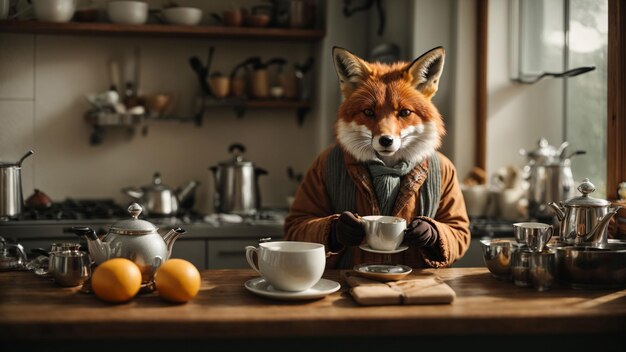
(194, 251)
(207, 246)
(225, 254)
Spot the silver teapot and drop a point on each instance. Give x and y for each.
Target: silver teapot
(159, 199)
(584, 220)
(134, 239)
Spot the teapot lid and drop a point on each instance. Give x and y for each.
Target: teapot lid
(544, 154)
(157, 184)
(133, 226)
(586, 187)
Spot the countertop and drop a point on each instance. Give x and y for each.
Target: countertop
(33, 308)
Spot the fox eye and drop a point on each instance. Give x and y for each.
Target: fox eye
(404, 112)
(368, 112)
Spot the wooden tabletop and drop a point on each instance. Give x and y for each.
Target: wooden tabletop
(32, 307)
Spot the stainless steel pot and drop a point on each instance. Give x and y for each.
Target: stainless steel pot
(590, 267)
(549, 176)
(236, 184)
(11, 196)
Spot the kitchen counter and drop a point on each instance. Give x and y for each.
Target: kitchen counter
(224, 313)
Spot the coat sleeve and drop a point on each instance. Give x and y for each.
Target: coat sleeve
(451, 220)
(311, 215)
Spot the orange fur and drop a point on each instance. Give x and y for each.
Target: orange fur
(386, 90)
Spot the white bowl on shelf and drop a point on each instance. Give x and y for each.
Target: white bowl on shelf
(128, 12)
(190, 16)
(54, 10)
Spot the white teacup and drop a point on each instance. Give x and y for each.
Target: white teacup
(289, 265)
(384, 233)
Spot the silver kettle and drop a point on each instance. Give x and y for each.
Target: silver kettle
(11, 196)
(549, 176)
(236, 184)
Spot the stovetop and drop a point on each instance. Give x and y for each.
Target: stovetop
(107, 211)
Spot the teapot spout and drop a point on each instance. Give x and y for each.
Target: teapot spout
(98, 250)
(601, 227)
(170, 237)
(558, 210)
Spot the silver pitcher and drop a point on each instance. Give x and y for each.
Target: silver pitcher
(11, 196)
(236, 184)
(549, 176)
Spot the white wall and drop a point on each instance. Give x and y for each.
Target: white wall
(518, 114)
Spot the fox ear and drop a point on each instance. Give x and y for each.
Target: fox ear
(425, 71)
(351, 70)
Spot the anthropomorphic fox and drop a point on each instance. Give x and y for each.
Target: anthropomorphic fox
(384, 162)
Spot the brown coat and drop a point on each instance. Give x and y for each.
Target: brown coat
(311, 213)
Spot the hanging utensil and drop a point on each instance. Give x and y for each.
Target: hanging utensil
(569, 73)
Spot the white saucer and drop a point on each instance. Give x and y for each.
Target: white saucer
(367, 248)
(322, 288)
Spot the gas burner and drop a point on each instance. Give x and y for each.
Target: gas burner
(75, 209)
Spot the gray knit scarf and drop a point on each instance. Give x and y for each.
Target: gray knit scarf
(386, 181)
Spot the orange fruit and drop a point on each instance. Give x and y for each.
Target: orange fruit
(177, 280)
(116, 280)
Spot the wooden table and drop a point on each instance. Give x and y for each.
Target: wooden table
(34, 310)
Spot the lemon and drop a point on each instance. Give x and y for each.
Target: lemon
(177, 280)
(116, 280)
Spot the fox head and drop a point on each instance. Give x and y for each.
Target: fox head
(387, 111)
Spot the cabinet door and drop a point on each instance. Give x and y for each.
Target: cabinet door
(229, 254)
(473, 257)
(191, 250)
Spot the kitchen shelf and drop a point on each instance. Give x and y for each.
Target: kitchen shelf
(160, 30)
(241, 105)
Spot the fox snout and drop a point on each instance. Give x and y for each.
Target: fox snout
(386, 144)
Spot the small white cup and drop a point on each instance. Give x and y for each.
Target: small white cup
(289, 265)
(384, 233)
(54, 10)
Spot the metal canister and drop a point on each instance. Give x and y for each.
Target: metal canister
(11, 196)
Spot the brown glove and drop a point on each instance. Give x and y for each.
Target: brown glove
(346, 231)
(420, 233)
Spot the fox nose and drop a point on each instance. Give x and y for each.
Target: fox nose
(385, 141)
